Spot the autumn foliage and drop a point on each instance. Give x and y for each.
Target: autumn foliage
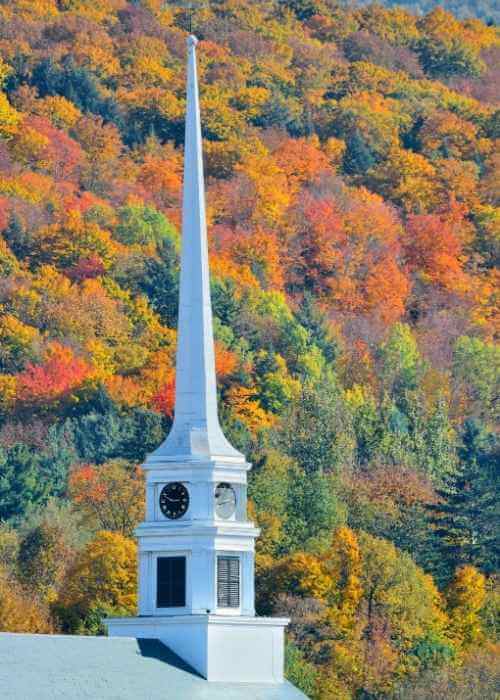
(54, 379)
(352, 169)
(110, 496)
(19, 611)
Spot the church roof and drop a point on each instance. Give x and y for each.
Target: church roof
(49, 667)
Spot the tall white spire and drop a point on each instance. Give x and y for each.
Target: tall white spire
(196, 544)
(196, 433)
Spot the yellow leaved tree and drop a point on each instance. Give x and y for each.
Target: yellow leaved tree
(102, 579)
(20, 611)
(466, 595)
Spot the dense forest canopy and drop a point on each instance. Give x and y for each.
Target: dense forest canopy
(352, 165)
(486, 10)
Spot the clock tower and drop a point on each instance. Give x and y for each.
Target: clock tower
(196, 545)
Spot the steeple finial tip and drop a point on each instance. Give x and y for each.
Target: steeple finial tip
(192, 40)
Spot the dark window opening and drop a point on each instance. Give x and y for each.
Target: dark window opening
(228, 582)
(171, 582)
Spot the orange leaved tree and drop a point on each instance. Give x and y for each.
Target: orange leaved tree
(109, 496)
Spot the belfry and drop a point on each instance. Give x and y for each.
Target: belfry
(196, 545)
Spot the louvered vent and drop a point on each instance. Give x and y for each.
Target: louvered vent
(228, 582)
(171, 582)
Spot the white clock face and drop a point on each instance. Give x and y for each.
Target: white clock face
(225, 500)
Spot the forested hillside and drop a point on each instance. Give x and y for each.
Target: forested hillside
(486, 10)
(352, 183)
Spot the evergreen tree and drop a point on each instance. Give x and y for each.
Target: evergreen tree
(304, 9)
(19, 483)
(100, 437)
(226, 304)
(29, 477)
(101, 430)
(466, 522)
(358, 157)
(17, 238)
(76, 84)
(310, 316)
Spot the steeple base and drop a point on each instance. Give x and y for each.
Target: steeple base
(220, 648)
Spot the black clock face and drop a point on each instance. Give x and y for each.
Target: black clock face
(174, 500)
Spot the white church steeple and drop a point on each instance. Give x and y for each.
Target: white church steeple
(196, 432)
(196, 544)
